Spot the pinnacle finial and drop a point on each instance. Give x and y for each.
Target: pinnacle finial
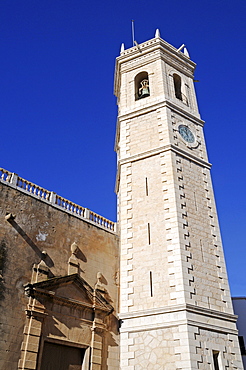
(186, 53)
(181, 47)
(157, 33)
(74, 248)
(122, 47)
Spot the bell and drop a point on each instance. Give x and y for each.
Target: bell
(144, 89)
(145, 92)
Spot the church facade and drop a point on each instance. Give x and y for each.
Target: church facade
(150, 292)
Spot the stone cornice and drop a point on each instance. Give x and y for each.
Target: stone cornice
(211, 313)
(181, 307)
(166, 103)
(157, 151)
(167, 52)
(190, 156)
(218, 321)
(162, 149)
(153, 44)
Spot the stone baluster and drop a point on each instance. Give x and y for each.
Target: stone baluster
(52, 197)
(14, 179)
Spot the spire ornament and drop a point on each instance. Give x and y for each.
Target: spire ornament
(186, 53)
(122, 48)
(157, 33)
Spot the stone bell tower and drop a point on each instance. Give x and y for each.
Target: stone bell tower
(175, 305)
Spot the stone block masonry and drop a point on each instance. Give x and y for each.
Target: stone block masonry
(175, 303)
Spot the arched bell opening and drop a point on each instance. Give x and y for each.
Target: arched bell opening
(142, 85)
(177, 86)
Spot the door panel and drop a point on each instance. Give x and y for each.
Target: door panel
(59, 357)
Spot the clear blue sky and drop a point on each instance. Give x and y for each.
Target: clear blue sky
(58, 112)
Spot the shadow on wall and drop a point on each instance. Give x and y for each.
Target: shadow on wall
(43, 256)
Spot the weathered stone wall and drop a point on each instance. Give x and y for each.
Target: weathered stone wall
(40, 227)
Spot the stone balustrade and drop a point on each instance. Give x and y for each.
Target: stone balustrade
(99, 220)
(13, 180)
(70, 206)
(32, 188)
(5, 175)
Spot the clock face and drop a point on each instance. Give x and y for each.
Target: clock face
(186, 134)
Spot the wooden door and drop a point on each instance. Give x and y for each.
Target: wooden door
(60, 357)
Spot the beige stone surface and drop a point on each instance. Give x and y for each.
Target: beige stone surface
(174, 286)
(40, 227)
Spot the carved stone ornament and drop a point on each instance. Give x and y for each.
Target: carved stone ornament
(73, 263)
(79, 294)
(66, 309)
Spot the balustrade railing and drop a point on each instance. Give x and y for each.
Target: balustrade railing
(101, 220)
(54, 199)
(69, 206)
(5, 175)
(32, 188)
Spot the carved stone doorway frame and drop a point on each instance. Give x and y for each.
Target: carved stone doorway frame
(68, 311)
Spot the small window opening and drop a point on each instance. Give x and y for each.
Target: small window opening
(216, 360)
(142, 86)
(149, 234)
(151, 283)
(177, 86)
(146, 186)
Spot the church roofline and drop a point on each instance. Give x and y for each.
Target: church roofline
(12, 180)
